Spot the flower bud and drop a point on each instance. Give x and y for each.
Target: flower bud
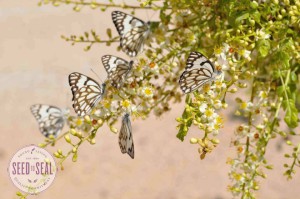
(73, 132)
(193, 140)
(74, 158)
(42, 145)
(67, 138)
(93, 141)
(56, 155)
(100, 122)
(113, 129)
(87, 119)
(59, 151)
(74, 150)
(215, 141)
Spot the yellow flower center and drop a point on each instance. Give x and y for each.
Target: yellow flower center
(78, 122)
(106, 104)
(152, 65)
(125, 103)
(243, 105)
(206, 87)
(218, 50)
(209, 113)
(148, 91)
(219, 68)
(219, 120)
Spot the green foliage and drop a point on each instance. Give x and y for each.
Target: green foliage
(256, 44)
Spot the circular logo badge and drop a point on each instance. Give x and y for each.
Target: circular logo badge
(32, 169)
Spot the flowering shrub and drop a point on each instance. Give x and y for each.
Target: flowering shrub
(256, 43)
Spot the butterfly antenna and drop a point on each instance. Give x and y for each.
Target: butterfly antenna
(97, 76)
(147, 15)
(152, 15)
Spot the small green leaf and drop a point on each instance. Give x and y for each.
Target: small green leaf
(108, 32)
(86, 34)
(291, 113)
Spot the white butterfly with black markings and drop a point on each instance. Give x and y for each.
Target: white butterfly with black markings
(198, 71)
(125, 137)
(51, 119)
(87, 93)
(133, 32)
(117, 69)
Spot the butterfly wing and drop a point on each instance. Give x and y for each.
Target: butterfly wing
(133, 32)
(86, 93)
(132, 43)
(125, 22)
(199, 70)
(117, 69)
(50, 119)
(125, 137)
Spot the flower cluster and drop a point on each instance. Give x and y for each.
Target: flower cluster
(254, 43)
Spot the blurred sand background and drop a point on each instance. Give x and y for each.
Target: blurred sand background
(35, 63)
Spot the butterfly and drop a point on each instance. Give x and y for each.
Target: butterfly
(86, 93)
(133, 32)
(198, 71)
(117, 69)
(125, 137)
(50, 118)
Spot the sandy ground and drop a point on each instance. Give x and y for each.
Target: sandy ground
(34, 67)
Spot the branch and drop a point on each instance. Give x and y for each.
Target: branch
(93, 4)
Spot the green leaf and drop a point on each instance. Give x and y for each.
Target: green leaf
(285, 59)
(256, 15)
(282, 60)
(182, 133)
(293, 77)
(280, 90)
(154, 25)
(242, 16)
(186, 115)
(263, 47)
(291, 113)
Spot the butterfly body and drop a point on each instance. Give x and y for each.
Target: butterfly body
(51, 119)
(133, 32)
(199, 71)
(125, 137)
(117, 69)
(87, 93)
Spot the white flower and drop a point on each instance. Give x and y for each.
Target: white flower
(221, 56)
(219, 84)
(203, 107)
(247, 106)
(217, 104)
(246, 54)
(114, 106)
(126, 104)
(263, 94)
(210, 114)
(261, 34)
(147, 92)
(129, 80)
(211, 94)
(153, 67)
